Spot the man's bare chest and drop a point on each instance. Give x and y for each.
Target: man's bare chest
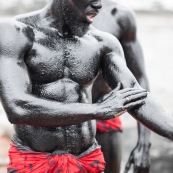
(54, 58)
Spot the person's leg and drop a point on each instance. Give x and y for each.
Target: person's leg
(111, 147)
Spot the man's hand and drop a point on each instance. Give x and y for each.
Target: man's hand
(139, 157)
(119, 101)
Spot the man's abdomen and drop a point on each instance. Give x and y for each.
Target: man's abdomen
(73, 139)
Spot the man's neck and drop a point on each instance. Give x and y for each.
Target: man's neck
(67, 24)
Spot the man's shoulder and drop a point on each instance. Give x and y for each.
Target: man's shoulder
(14, 34)
(122, 14)
(22, 25)
(29, 19)
(11, 27)
(126, 19)
(98, 33)
(107, 39)
(7, 25)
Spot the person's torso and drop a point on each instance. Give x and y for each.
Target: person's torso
(63, 70)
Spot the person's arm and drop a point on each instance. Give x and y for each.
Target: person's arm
(151, 114)
(21, 106)
(135, 62)
(133, 50)
(140, 154)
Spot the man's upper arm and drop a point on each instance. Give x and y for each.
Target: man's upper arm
(14, 78)
(132, 49)
(114, 67)
(128, 26)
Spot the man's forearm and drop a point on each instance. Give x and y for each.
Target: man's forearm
(143, 132)
(41, 112)
(144, 136)
(154, 116)
(134, 57)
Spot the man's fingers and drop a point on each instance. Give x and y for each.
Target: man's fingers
(135, 97)
(120, 113)
(105, 97)
(127, 168)
(118, 87)
(110, 97)
(123, 91)
(133, 104)
(134, 92)
(128, 164)
(140, 170)
(136, 170)
(113, 92)
(126, 90)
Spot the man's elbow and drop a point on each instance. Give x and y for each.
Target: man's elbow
(16, 114)
(134, 84)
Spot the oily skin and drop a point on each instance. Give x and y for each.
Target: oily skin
(47, 69)
(120, 22)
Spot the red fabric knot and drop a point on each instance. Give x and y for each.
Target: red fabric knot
(37, 162)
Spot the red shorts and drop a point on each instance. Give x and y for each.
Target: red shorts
(37, 162)
(109, 125)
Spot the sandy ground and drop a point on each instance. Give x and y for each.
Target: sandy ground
(156, 36)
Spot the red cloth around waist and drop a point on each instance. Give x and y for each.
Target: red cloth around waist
(109, 125)
(37, 162)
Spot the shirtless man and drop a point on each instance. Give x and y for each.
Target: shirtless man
(48, 62)
(120, 22)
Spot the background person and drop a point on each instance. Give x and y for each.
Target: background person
(120, 22)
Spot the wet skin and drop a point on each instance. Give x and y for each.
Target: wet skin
(67, 81)
(47, 68)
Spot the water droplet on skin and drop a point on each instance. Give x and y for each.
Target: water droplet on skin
(66, 33)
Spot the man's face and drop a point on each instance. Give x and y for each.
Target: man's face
(86, 9)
